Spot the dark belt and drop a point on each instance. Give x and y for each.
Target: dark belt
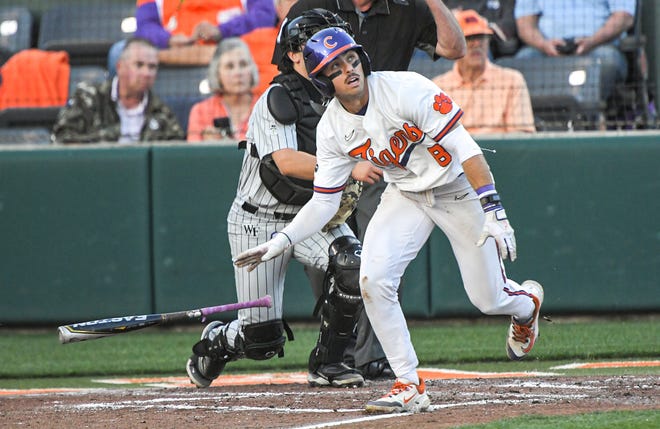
(277, 215)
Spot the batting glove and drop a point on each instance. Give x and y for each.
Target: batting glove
(496, 224)
(251, 258)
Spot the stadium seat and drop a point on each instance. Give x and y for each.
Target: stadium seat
(180, 88)
(631, 105)
(86, 30)
(424, 65)
(24, 135)
(28, 116)
(16, 24)
(46, 116)
(93, 74)
(565, 91)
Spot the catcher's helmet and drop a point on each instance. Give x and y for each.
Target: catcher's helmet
(294, 33)
(325, 46)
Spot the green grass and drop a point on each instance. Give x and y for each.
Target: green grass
(471, 345)
(608, 420)
(35, 358)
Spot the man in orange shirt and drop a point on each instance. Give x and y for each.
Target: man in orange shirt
(495, 99)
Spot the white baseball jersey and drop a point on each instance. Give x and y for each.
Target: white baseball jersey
(402, 132)
(405, 130)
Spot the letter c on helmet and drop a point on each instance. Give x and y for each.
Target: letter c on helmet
(327, 42)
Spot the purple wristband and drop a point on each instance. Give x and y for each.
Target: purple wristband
(486, 190)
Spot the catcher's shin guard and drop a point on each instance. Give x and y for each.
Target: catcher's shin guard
(210, 355)
(218, 347)
(340, 303)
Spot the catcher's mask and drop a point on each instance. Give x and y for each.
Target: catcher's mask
(325, 46)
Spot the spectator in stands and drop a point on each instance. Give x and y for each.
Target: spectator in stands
(232, 77)
(187, 31)
(576, 27)
(122, 109)
(257, 26)
(262, 42)
(499, 13)
(495, 99)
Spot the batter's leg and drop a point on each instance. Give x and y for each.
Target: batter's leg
(482, 271)
(397, 231)
(364, 350)
(484, 277)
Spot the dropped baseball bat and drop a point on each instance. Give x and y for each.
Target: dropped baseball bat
(94, 329)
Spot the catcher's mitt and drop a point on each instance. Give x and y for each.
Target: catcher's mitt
(349, 199)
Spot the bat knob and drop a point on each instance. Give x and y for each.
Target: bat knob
(268, 301)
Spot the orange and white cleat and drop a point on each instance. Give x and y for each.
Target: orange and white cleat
(403, 398)
(522, 336)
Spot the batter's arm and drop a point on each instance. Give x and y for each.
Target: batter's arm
(477, 171)
(496, 223)
(310, 219)
(451, 41)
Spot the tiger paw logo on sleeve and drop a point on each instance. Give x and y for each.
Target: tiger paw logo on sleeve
(442, 103)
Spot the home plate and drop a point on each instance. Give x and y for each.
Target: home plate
(615, 364)
(448, 374)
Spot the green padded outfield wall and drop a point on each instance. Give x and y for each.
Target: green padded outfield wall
(93, 232)
(74, 234)
(193, 187)
(586, 220)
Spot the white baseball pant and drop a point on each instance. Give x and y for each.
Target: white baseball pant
(399, 228)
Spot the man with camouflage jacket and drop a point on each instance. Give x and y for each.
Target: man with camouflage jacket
(123, 109)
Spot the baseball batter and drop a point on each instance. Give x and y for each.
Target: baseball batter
(437, 175)
(280, 155)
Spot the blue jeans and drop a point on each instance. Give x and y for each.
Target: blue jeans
(613, 63)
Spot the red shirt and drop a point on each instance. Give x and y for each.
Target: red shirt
(203, 113)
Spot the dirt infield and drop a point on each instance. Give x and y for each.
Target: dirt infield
(455, 401)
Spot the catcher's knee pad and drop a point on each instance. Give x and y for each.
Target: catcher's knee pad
(264, 340)
(341, 300)
(344, 266)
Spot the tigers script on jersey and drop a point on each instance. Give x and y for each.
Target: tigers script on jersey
(402, 132)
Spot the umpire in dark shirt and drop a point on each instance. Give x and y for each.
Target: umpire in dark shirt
(389, 30)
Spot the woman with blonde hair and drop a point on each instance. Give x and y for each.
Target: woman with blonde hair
(232, 77)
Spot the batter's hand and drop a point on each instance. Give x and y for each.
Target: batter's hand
(251, 258)
(365, 171)
(497, 226)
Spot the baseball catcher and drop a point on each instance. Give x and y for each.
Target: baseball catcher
(275, 181)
